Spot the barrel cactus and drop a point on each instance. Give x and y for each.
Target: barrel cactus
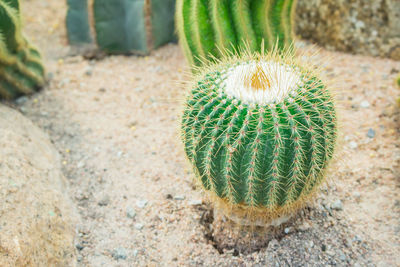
(259, 131)
(21, 70)
(208, 28)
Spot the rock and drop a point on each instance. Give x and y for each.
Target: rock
(105, 200)
(357, 195)
(139, 226)
(79, 246)
(304, 227)
(353, 145)
(357, 26)
(342, 256)
(179, 197)
(135, 253)
(21, 100)
(89, 71)
(37, 218)
(371, 133)
(337, 205)
(130, 212)
(287, 230)
(119, 254)
(364, 104)
(196, 202)
(141, 203)
(274, 244)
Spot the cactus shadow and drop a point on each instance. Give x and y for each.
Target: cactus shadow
(227, 237)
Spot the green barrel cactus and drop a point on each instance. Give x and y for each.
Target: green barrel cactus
(207, 28)
(21, 70)
(259, 131)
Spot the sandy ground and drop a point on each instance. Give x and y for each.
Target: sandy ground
(115, 123)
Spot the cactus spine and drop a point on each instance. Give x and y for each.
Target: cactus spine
(207, 28)
(21, 70)
(259, 131)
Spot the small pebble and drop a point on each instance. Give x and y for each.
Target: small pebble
(119, 254)
(353, 145)
(104, 201)
(79, 246)
(357, 195)
(310, 244)
(330, 253)
(130, 212)
(287, 230)
(179, 197)
(357, 239)
(365, 104)
(196, 202)
(304, 227)
(141, 203)
(371, 133)
(89, 71)
(135, 252)
(342, 256)
(337, 205)
(21, 100)
(139, 226)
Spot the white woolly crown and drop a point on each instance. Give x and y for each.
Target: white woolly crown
(261, 82)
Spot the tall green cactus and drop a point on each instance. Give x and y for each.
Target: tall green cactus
(207, 28)
(259, 131)
(77, 21)
(122, 26)
(21, 70)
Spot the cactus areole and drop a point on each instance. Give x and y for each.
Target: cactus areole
(259, 131)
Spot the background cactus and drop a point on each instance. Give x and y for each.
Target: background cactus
(207, 28)
(78, 26)
(259, 131)
(21, 70)
(122, 26)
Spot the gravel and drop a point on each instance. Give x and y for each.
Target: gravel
(141, 203)
(130, 212)
(371, 133)
(119, 254)
(337, 205)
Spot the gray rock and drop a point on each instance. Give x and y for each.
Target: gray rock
(21, 100)
(342, 256)
(141, 203)
(179, 197)
(371, 133)
(358, 26)
(365, 104)
(119, 254)
(130, 212)
(337, 205)
(353, 145)
(105, 200)
(287, 230)
(89, 71)
(196, 202)
(139, 226)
